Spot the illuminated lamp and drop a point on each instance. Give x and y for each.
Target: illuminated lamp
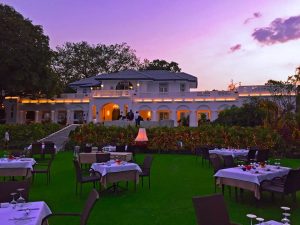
(142, 135)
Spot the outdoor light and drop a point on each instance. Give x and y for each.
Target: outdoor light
(138, 84)
(142, 135)
(107, 112)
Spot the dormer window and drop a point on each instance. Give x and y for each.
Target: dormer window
(124, 85)
(182, 87)
(163, 87)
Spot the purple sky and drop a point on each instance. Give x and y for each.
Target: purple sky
(249, 41)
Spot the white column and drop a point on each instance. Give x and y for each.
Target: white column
(52, 116)
(69, 117)
(20, 117)
(193, 119)
(154, 115)
(36, 116)
(173, 117)
(214, 115)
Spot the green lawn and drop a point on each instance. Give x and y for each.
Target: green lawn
(175, 179)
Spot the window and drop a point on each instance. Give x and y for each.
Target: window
(124, 85)
(163, 87)
(182, 87)
(163, 115)
(84, 90)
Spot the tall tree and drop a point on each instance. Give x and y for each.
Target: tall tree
(25, 57)
(74, 61)
(158, 64)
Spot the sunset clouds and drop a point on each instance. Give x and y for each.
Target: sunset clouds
(235, 48)
(279, 31)
(254, 16)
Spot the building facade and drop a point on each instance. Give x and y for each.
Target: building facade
(156, 95)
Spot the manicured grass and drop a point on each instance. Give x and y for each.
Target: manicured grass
(175, 179)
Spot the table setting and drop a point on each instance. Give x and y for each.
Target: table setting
(229, 151)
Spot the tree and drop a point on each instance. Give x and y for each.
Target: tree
(158, 64)
(75, 61)
(25, 57)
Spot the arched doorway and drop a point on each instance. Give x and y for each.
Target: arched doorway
(110, 111)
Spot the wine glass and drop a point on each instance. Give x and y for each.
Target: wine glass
(13, 201)
(260, 220)
(285, 213)
(20, 200)
(251, 217)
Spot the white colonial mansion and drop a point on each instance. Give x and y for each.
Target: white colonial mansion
(156, 95)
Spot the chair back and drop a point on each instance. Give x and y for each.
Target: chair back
(262, 155)
(77, 170)
(216, 162)
(7, 187)
(102, 157)
(49, 148)
(211, 210)
(198, 151)
(87, 149)
(120, 148)
(36, 148)
(147, 164)
(292, 183)
(89, 204)
(251, 154)
(205, 153)
(228, 161)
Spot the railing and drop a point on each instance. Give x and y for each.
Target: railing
(75, 95)
(202, 94)
(111, 93)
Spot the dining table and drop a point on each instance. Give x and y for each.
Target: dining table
(249, 179)
(16, 166)
(31, 213)
(270, 222)
(233, 152)
(116, 170)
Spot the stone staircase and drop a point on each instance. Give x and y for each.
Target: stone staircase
(60, 137)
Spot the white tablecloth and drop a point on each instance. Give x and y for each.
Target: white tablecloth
(250, 176)
(26, 163)
(105, 168)
(109, 148)
(10, 216)
(271, 222)
(233, 152)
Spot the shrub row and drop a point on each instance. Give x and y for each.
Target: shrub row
(179, 138)
(22, 135)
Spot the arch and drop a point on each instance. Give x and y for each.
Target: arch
(163, 107)
(145, 107)
(223, 107)
(203, 107)
(109, 111)
(183, 108)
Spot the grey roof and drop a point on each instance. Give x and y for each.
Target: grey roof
(153, 75)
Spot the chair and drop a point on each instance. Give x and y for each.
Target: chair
(217, 165)
(7, 187)
(87, 149)
(262, 155)
(250, 156)
(42, 168)
(132, 149)
(49, 149)
(288, 185)
(146, 168)
(211, 210)
(102, 157)
(228, 161)
(198, 153)
(36, 149)
(205, 154)
(84, 215)
(82, 179)
(120, 148)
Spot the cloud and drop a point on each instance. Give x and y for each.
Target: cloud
(235, 48)
(279, 31)
(255, 15)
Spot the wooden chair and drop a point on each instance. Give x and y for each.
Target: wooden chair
(7, 187)
(211, 210)
(262, 155)
(217, 165)
(286, 185)
(85, 213)
(82, 179)
(146, 169)
(42, 168)
(102, 157)
(228, 161)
